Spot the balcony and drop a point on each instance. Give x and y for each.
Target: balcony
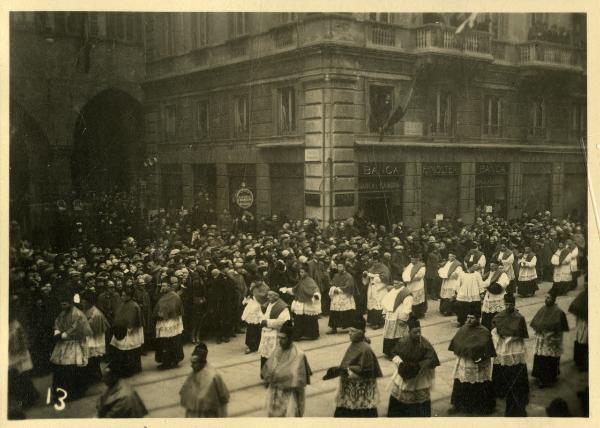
(553, 55)
(347, 31)
(436, 38)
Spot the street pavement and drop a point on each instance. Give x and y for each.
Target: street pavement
(160, 389)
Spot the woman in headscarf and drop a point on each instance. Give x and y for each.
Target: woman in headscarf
(286, 373)
(306, 306)
(168, 314)
(253, 314)
(70, 354)
(128, 336)
(204, 394)
(357, 395)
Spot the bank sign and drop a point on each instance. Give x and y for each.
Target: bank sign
(244, 198)
(381, 169)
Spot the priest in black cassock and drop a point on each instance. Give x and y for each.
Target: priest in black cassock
(549, 324)
(473, 391)
(510, 365)
(357, 395)
(416, 361)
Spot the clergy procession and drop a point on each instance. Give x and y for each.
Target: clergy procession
(98, 313)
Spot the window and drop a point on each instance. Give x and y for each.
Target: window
(240, 114)
(41, 21)
(492, 115)
(441, 119)
(94, 26)
(130, 27)
(284, 18)
(170, 122)
(380, 103)
(202, 119)
(169, 35)
(498, 25)
(60, 22)
(380, 17)
(120, 26)
(579, 121)
(287, 110)
(538, 18)
(199, 29)
(218, 117)
(237, 24)
(537, 119)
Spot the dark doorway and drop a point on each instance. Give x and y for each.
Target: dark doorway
(107, 148)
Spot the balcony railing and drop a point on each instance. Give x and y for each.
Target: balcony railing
(383, 35)
(546, 53)
(437, 36)
(349, 32)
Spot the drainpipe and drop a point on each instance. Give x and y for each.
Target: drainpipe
(323, 144)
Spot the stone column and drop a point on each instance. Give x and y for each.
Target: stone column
(263, 189)
(411, 197)
(222, 188)
(331, 105)
(515, 182)
(558, 180)
(187, 180)
(466, 203)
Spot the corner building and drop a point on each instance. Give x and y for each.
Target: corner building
(292, 105)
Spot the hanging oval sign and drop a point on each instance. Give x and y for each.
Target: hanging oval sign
(244, 198)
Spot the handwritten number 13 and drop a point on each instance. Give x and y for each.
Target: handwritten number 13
(61, 400)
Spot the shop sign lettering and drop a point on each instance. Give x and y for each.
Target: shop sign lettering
(440, 169)
(381, 169)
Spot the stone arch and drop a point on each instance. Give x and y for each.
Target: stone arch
(107, 142)
(30, 166)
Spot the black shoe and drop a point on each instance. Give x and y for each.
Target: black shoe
(226, 339)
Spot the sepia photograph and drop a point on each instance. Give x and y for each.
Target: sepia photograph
(297, 214)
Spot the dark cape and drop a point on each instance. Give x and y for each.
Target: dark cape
(550, 318)
(579, 306)
(361, 360)
(128, 315)
(510, 324)
(305, 289)
(169, 306)
(415, 356)
(120, 401)
(474, 342)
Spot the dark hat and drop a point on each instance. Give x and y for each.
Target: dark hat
(413, 322)
(287, 328)
(359, 323)
(200, 351)
(509, 298)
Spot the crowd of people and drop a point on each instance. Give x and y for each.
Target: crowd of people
(103, 298)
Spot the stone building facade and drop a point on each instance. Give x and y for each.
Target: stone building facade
(68, 71)
(292, 105)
